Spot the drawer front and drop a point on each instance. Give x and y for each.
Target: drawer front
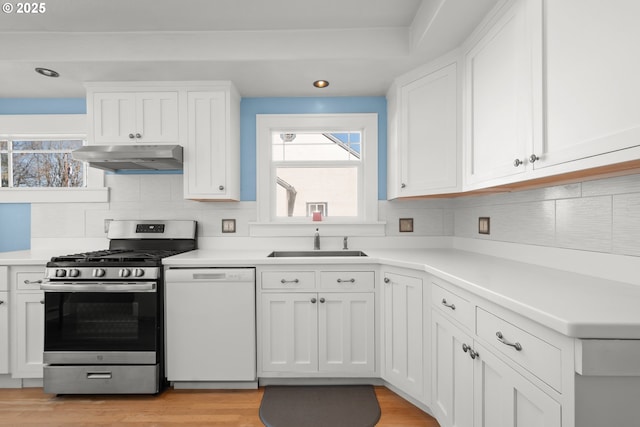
(288, 280)
(454, 305)
(532, 353)
(29, 280)
(347, 280)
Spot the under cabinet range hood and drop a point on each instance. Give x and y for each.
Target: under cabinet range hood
(131, 157)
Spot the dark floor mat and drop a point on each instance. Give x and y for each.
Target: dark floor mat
(319, 406)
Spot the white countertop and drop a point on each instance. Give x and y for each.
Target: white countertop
(570, 303)
(573, 304)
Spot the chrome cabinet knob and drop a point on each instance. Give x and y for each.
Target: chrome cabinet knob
(131, 136)
(533, 158)
(322, 300)
(221, 188)
(386, 280)
(403, 185)
(313, 300)
(138, 135)
(518, 162)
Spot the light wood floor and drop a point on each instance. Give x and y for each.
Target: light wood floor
(31, 407)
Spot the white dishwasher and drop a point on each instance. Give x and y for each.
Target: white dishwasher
(210, 327)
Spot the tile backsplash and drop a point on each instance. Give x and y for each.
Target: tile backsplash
(598, 216)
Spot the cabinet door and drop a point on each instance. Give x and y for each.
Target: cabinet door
(4, 332)
(504, 398)
(592, 85)
(29, 339)
(210, 328)
(289, 332)
(498, 127)
(157, 118)
(402, 325)
(346, 333)
(207, 144)
(428, 134)
(114, 117)
(452, 376)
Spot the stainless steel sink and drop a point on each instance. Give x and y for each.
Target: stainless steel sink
(314, 254)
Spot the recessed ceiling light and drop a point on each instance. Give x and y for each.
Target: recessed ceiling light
(321, 83)
(47, 72)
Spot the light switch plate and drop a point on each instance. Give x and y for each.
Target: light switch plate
(228, 225)
(484, 225)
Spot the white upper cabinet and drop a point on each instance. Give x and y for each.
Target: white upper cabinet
(127, 116)
(423, 152)
(499, 95)
(212, 153)
(592, 85)
(550, 88)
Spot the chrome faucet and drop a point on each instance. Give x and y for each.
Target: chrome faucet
(345, 243)
(316, 240)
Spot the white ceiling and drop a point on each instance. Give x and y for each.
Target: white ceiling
(266, 47)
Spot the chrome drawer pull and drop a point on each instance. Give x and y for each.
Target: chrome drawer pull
(517, 345)
(33, 282)
(451, 306)
(343, 280)
(98, 375)
(283, 281)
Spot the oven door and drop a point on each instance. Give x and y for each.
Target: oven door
(101, 323)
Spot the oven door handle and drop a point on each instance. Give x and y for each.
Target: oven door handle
(48, 286)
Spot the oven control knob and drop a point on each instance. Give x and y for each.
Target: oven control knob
(61, 272)
(138, 272)
(99, 272)
(124, 272)
(74, 272)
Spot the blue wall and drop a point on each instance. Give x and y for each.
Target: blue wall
(15, 224)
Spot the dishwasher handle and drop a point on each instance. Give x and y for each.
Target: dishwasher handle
(210, 275)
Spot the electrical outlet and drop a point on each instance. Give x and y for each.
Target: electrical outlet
(484, 225)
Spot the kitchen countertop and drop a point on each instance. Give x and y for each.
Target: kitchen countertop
(28, 257)
(573, 304)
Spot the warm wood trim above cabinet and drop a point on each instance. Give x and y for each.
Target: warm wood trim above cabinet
(631, 167)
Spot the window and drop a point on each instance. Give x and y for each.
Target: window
(36, 165)
(41, 163)
(317, 163)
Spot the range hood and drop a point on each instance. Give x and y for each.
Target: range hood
(131, 157)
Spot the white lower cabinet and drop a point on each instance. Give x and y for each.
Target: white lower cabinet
(405, 335)
(478, 380)
(504, 398)
(26, 320)
(318, 332)
(28, 340)
(311, 333)
(4, 332)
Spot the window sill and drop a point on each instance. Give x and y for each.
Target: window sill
(54, 195)
(262, 229)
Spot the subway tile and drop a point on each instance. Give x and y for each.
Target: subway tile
(612, 186)
(123, 188)
(584, 224)
(626, 224)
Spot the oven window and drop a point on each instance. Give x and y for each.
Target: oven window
(97, 321)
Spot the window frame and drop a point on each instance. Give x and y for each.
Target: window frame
(51, 127)
(365, 223)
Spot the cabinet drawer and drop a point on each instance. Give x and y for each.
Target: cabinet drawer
(29, 280)
(348, 280)
(532, 353)
(454, 305)
(288, 280)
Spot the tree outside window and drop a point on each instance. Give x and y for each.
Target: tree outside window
(41, 163)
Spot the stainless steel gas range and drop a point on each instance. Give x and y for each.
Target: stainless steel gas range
(104, 311)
